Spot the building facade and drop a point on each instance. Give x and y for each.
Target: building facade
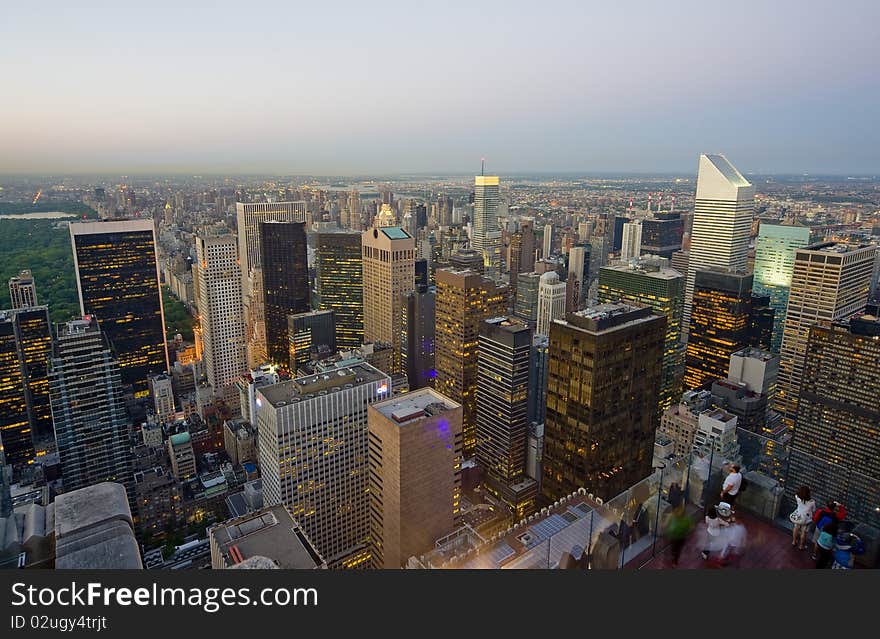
(339, 284)
(286, 292)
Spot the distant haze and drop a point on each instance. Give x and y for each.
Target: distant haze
(379, 87)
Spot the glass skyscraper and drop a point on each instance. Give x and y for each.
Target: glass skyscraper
(339, 284)
(774, 265)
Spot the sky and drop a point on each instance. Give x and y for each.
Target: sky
(334, 88)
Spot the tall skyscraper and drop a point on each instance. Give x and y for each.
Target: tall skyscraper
(417, 341)
(311, 335)
(220, 309)
(774, 265)
(117, 276)
(23, 290)
(339, 284)
(538, 379)
(526, 303)
(579, 274)
(650, 282)
(631, 243)
(249, 216)
(15, 428)
(723, 212)
(830, 282)
(835, 449)
(547, 241)
(464, 300)
(389, 255)
(551, 301)
(662, 233)
(504, 355)
(602, 387)
(414, 474)
(313, 450)
(721, 324)
(486, 234)
(285, 283)
(353, 211)
(91, 422)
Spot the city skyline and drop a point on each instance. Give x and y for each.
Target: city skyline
(576, 93)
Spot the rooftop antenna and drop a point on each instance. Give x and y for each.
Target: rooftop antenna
(482, 166)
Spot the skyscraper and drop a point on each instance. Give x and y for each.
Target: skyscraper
(285, 283)
(835, 449)
(551, 301)
(774, 265)
(830, 282)
(91, 422)
(417, 341)
(22, 290)
(631, 244)
(389, 274)
(602, 387)
(721, 322)
(579, 274)
(117, 276)
(526, 304)
(220, 309)
(650, 282)
(504, 356)
(310, 335)
(538, 379)
(464, 300)
(313, 450)
(486, 235)
(249, 216)
(662, 233)
(414, 475)
(723, 212)
(339, 284)
(15, 428)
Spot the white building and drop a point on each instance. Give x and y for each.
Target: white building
(313, 452)
(486, 236)
(551, 301)
(220, 313)
(163, 397)
(723, 211)
(631, 246)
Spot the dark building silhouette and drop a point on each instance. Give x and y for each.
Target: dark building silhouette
(285, 282)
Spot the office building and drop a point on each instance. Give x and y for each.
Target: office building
(551, 301)
(662, 234)
(415, 474)
(723, 211)
(464, 300)
(117, 277)
(339, 284)
(313, 441)
(504, 366)
(486, 238)
(182, 456)
(311, 335)
(774, 266)
(723, 321)
(578, 275)
(830, 282)
(540, 357)
(471, 259)
(389, 274)
(680, 422)
(220, 312)
(285, 273)
(247, 385)
(162, 392)
(417, 341)
(22, 290)
(631, 244)
(267, 538)
(25, 415)
(835, 448)
(716, 435)
(547, 241)
(526, 302)
(240, 441)
(249, 215)
(602, 387)
(648, 281)
(91, 423)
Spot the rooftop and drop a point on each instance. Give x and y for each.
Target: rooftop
(269, 532)
(330, 381)
(755, 353)
(395, 233)
(417, 404)
(610, 316)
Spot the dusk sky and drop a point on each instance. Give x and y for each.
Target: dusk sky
(406, 87)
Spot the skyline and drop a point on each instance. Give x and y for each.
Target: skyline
(369, 91)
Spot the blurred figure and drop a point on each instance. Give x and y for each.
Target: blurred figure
(716, 540)
(832, 511)
(677, 527)
(736, 541)
(802, 517)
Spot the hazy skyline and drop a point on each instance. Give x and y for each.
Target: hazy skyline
(396, 87)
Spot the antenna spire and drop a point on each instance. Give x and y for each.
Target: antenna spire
(482, 166)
